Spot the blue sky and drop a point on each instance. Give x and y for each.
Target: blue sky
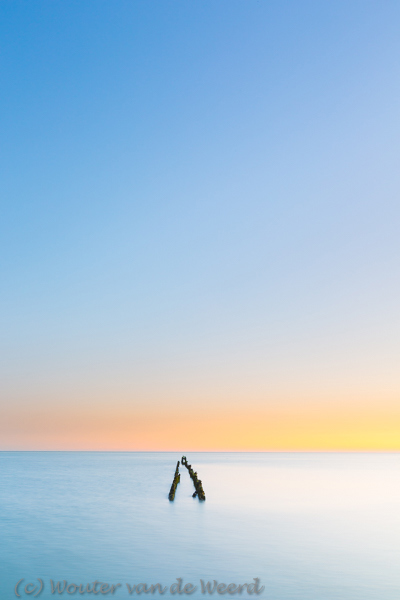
(199, 203)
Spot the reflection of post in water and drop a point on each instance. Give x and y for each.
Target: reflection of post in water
(198, 486)
(175, 482)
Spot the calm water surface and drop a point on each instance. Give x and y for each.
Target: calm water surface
(310, 526)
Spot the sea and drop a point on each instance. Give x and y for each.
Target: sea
(278, 526)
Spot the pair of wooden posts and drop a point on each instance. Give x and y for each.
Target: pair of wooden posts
(198, 486)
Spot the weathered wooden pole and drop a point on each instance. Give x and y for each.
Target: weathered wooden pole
(198, 486)
(175, 482)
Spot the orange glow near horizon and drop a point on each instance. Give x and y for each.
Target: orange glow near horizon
(312, 428)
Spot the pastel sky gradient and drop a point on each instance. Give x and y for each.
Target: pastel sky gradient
(200, 225)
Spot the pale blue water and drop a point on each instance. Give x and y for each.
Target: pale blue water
(310, 526)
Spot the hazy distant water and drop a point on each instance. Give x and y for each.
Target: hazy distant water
(310, 526)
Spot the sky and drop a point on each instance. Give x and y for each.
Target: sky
(199, 225)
